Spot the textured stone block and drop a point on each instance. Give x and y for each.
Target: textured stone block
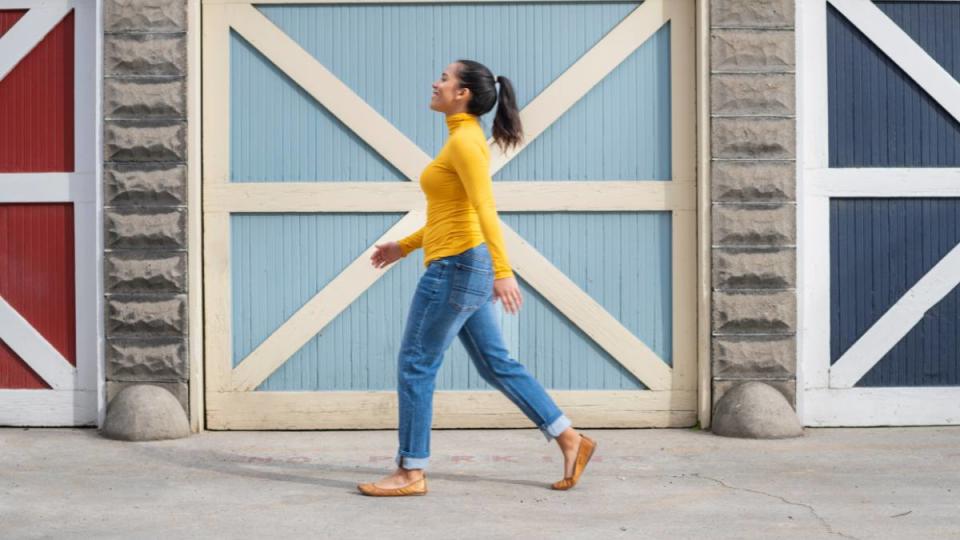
(145, 184)
(145, 15)
(753, 181)
(752, 13)
(144, 98)
(754, 312)
(180, 391)
(754, 356)
(755, 410)
(145, 271)
(146, 316)
(752, 50)
(787, 387)
(146, 360)
(754, 268)
(126, 140)
(753, 138)
(145, 54)
(146, 228)
(753, 93)
(754, 224)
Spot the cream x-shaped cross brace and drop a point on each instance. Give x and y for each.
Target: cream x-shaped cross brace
(408, 158)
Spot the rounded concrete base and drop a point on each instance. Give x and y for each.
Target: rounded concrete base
(144, 412)
(755, 410)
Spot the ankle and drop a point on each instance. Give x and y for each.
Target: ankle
(568, 439)
(410, 474)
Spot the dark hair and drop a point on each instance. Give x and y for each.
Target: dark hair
(507, 130)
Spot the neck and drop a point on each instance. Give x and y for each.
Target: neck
(456, 120)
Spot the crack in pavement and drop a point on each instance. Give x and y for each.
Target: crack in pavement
(810, 508)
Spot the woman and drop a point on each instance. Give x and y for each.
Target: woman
(466, 264)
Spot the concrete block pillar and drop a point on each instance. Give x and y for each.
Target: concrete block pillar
(145, 195)
(753, 202)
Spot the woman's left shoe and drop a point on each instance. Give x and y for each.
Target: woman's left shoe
(584, 453)
(417, 487)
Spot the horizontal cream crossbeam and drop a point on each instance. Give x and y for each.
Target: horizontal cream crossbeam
(533, 196)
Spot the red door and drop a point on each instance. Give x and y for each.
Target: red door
(47, 353)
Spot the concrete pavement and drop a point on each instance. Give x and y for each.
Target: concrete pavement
(848, 483)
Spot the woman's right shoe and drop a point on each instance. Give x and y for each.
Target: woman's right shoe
(584, 453)
(417, 487)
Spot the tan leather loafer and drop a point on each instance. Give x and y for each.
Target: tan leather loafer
(584, 453)
(417, 487)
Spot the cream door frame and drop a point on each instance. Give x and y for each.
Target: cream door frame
(231, 402)
(75, 396)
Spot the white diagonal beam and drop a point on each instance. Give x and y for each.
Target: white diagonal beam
(328, 90)
(904, 51)
(584, 74)
(34, 349)
(588, 315)
(893, 325)
(318, 312)
(30, 30)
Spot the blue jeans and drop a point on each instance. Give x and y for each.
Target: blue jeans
(454, 297)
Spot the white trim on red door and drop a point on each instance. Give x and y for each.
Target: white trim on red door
(34, 349)
(77, 395)
(30, 30)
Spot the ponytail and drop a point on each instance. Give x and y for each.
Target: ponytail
(507, 130)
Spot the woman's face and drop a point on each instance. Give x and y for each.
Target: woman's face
(448, 97)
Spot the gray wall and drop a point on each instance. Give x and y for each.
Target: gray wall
(753, 203)
(145, 187)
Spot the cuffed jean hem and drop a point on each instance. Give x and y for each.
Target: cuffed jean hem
(408, 462)
(556, 427)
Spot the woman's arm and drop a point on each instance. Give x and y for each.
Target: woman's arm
(473, 168)
(412, 242)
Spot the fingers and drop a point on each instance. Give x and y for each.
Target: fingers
(511, 300)
(516, 301)
(378, 258)
(383, 254)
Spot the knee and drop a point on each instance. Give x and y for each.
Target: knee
(417, 368)
(412, 372)
(502, 366)
(489, 377)
(416, 383)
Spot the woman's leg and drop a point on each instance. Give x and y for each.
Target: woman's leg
(429, 331)
(483, 341)
(432, 324)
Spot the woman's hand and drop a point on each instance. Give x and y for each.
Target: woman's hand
(508, 290)
(386, 254)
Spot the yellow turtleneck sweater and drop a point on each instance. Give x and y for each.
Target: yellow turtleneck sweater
(461, 212)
